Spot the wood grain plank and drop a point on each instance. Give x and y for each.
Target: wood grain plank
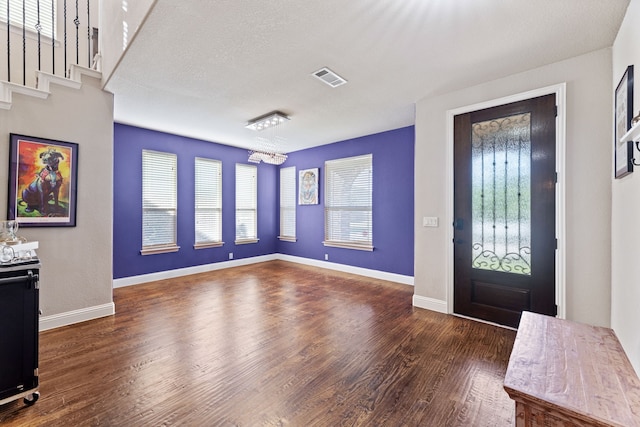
(272, 344)
(576, 373)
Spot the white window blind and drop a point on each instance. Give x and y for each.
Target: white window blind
(208, 203)
(246, 203)
(30, 15)
(288, 203)
(348, 202)
(159, 201)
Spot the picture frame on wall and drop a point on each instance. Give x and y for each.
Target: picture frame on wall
(623, 150)
(308, 187)
(43, 180)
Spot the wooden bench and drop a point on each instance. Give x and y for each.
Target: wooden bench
(563, 373)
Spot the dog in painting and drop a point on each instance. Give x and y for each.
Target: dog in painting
(45, 186)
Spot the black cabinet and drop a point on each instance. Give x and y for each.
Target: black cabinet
(19, 317)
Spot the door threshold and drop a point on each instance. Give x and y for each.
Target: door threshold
(484, 321)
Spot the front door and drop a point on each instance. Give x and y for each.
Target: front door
(504, 207)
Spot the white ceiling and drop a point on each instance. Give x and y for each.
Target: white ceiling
(203, 68)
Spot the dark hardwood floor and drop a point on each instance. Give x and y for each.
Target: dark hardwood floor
(271, 344)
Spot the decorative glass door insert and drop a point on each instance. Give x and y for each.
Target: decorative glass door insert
(501, 194)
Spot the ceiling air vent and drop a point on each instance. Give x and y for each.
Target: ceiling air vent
(329, 77)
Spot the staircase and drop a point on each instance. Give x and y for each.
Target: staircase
(43, 83)
(46, 39)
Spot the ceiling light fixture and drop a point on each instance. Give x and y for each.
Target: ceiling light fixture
(270, 158)
(268, 148)
(267, 121)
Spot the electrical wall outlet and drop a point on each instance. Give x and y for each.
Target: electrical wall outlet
(326, 257)
(230, 255)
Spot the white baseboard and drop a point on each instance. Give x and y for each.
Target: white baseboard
(89, 313)
(170, 274)
(76, 316)
(179, 272)
(430, 304)
(375, 274)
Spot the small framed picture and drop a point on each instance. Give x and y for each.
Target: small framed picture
(623, 150)
(308, 187)
(43, 180)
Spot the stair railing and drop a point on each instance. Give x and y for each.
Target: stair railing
(31, 25)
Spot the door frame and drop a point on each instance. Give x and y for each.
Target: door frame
(560, 91)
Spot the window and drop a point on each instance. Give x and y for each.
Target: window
(30, 15)
(288, 204)
(159, 202)
(246, 204)
(348, 203)
(208, 204)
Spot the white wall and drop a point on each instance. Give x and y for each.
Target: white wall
(76, 261)
(588, 172)
(119, 23)
(625, 235)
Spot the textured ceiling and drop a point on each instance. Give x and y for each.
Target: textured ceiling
(203, 68)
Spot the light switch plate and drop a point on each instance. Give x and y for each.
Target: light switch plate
(430, 221)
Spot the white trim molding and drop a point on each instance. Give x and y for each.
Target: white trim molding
(43, 82)
(170, 274)
(374, 274)
(76, 316)
(432, 304)
(179, 272)
(560, 90)
(90, 313)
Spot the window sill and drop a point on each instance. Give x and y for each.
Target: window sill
(159, 250)
(347, 245)
(246, 241)
(205, 245)
(287, 239)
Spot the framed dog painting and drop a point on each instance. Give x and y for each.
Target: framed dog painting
(43, 179)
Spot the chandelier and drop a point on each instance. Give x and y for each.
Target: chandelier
(271, 158)
(269, 143)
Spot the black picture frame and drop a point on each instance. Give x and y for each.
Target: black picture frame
(623, 150)
(43, 182)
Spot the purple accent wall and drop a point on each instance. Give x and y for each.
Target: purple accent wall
(129, 142)
(393, 203)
